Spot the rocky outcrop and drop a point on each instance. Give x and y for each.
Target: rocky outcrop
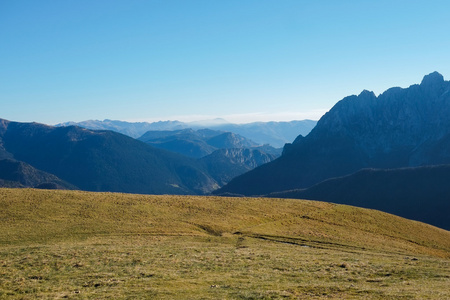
(225, 164)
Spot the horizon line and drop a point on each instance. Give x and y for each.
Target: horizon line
(247, 118)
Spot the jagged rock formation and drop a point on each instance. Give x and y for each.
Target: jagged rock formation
(399, 128)
(225, 164)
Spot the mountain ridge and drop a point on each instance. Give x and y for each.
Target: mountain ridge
(400, 128)
(196, 143)
(273, 133)
(104, 160)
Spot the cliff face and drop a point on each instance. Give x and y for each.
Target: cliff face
(225, 164)
(398, 121)
(400, 128)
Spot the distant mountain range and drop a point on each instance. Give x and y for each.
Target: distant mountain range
(37, 155)
(400, 128)
(103, 160)
(275, 134)
(421, 193)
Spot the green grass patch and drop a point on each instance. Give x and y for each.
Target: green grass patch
(70, 244)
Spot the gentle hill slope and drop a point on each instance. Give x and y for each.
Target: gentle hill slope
(64, 244)
(59, 214)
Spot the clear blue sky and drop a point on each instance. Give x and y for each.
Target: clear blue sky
(243, 60)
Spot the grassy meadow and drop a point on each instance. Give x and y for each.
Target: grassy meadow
(80, 245)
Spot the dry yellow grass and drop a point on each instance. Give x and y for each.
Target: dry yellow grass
(100, 245)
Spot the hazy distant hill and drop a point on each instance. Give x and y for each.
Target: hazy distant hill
(228, 140)
(134, 130)
(19, 174)
(103, 160)
(185, 141)
(421, 193)
(274, 133)
(399, 128)
(198, 143)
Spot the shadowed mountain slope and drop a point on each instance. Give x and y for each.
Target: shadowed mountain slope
(187, 141)
(400, 128)
(19, 174)
(420, 193)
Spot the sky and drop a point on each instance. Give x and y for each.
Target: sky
(241, 60)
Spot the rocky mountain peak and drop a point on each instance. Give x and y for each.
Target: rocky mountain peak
(434, 78)
(367, 94)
